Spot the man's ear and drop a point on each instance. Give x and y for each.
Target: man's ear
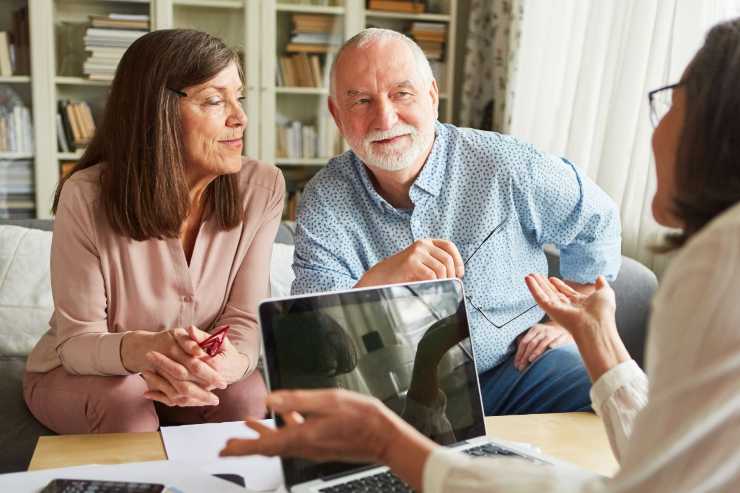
(434, 94)
(334, 113)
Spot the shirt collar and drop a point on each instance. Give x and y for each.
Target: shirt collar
(432, 174)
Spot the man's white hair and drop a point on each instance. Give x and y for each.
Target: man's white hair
(372, 35)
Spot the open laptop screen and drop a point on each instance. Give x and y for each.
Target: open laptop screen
(407, 345)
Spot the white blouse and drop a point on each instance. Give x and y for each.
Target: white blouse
(680, 433)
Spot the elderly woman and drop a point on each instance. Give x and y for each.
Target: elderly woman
(678, 434)
(163, 232)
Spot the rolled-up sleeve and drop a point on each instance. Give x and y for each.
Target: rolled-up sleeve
(83, 342)
(562, 206)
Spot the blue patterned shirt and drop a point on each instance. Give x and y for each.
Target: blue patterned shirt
(473, 183)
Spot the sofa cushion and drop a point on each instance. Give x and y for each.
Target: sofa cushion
(25, 291)
(19, 431)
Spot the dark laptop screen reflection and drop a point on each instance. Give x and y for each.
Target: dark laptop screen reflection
(401, 344)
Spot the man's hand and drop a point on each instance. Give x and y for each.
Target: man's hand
(424, 260)
(538, 339)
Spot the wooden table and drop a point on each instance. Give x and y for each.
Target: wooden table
(574, 437)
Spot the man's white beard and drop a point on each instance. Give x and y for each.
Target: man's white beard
(396, 156)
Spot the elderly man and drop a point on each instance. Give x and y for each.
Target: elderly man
(416, 200)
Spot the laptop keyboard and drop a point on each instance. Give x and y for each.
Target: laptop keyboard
(380, 483)
(388, 482)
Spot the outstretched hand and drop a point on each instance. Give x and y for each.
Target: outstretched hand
(580, 314)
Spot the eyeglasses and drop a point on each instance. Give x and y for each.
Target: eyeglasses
(469, 297)
(660, 102)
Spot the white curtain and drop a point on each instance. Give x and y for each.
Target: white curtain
(585, 68)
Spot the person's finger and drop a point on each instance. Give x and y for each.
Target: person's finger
(550, 291)
(159, 384)
(540, 347)
(452, 250)
(539, 295)
(310, 402)
(258, 426)
(531, 346)
(190, 341)
(249, 446)
(561, 340)
(189, 368)
(601, 282)
(292, 418)
(194, 395)
(445, 258)
(569, 292)
(427, 260)
(158, 396)
(522, 346)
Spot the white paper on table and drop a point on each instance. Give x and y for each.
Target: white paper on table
(200, 444)
(179, 477)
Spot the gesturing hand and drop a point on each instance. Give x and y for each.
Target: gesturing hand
(321, 425)
(423, 260)
(582, 315)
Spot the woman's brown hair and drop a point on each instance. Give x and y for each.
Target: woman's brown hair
(143, 187)
(708, 157)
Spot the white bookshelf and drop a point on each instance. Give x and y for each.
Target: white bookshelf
(257, 27)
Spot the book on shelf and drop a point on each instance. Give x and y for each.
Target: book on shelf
(16, 189)
(314, 33)
(431, 38)
(16, 130)
(107, 40)
(65, 168)
(402, 6)
(6, 66)
(75, 125)
(300, 70)
(14, 46)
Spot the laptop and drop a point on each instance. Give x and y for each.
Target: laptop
(405, 344)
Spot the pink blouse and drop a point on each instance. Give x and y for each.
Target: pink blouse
(105, 284)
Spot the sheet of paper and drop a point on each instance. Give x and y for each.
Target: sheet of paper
(200, 444)
(179, 477)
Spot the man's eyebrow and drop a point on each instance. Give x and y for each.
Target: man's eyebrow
(354, 92)
(404, 83)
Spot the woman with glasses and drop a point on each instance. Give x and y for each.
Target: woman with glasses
(163, 233)
(677, 434)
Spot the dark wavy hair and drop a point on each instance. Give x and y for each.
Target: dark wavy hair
(708, 156)
(143, 188)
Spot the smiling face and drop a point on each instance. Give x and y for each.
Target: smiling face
(383, 104)
(213, 124)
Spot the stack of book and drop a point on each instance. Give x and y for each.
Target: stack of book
(314, 33)
(15, 46)
(297, 140)
(300, 70)
(75, 125)
(16, 129)
(107, 40)
(407, 6)
(16, 189)
(431, 37)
